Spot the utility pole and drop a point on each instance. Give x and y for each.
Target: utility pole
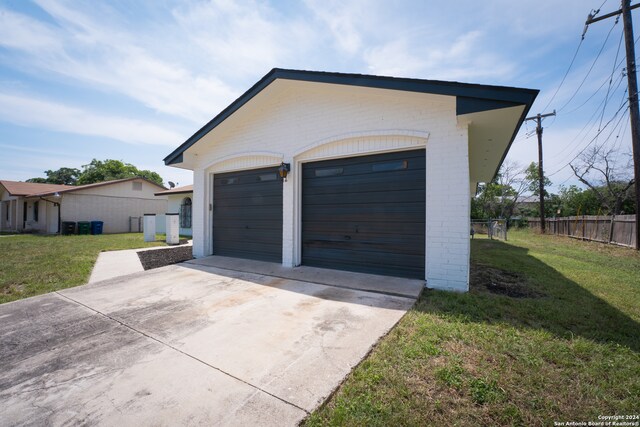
(538, 118)
(634, 114)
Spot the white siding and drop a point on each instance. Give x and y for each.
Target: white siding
(312, 122)
(114, 211)
(114, 204)
(124, 189)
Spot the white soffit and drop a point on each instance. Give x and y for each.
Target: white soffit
(490, 133)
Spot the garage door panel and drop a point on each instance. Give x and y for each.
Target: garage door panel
(364, 165)
(248, 191)
(366, 214)
(397, 196)
(386, 212)
(399, 261)
(395, 180)
(376, 227)
(245, 253)
(247, 214)
(226, 246)
(367, 266)
(244, 202)
(362, 242)
(382, 269)
(267, 230)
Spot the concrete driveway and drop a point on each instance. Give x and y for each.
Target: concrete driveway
(189, 344)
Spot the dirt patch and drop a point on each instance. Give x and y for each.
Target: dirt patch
(496, 281)
(157, 258)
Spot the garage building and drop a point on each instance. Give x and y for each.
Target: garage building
(379, 171)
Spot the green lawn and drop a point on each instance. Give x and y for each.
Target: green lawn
(566, 349)
(32, 265)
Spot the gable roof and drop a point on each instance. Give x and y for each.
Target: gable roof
(17, 188)
(470, 98)
(39, 190)
(176, 190)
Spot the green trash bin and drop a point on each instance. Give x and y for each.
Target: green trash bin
(68, 227)
(84, 227)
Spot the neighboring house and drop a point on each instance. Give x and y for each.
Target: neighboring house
(180, 200)
(526, 205)
(381, 172)
(42, 207)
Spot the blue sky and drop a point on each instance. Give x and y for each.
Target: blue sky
(131, 80)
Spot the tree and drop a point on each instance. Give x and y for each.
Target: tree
(609, 175)
(532, 176)
(65, 176)
(37, 180)
(499, 198)
(99, 171)
(576, 201)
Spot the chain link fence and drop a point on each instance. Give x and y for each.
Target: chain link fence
(492, 228)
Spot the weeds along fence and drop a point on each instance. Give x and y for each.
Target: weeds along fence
(493, 228)
(617, 230)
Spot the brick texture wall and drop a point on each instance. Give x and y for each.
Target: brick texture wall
(301, 121)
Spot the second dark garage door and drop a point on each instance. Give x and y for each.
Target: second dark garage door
(247, 214)
(366, 214)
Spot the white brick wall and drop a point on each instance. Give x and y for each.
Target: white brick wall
(306, 121)
(447, 211)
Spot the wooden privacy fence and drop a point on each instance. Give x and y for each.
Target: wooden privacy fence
(617, 230)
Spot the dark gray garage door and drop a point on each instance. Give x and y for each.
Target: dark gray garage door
(247, 214)
(365, 214)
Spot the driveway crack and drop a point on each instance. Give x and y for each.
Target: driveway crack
(179, 351)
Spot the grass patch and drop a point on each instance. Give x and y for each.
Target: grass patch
(550, 331)
(33, 265)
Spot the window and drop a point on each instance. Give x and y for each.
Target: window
(136, 186)
(185, 213)
(268, 177)
(35, 211)
(229, 181)
(329, 172)
(390, 166)
(6, 206)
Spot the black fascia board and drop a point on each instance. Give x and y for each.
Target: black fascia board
(498, 94)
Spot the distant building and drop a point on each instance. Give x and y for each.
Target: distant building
(179, 200)
(33, 207)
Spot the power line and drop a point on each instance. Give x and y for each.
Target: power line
(592, 140)
(590, 123)
(617, 67)
(606, 98)
(590, 68)
(575, 54)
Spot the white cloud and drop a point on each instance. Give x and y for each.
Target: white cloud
(238, 39)
(460, 59)
(18, 31)
(100, 51)
(343, 20)
(25, 111)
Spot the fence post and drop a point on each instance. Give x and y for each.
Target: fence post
(613, 221)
